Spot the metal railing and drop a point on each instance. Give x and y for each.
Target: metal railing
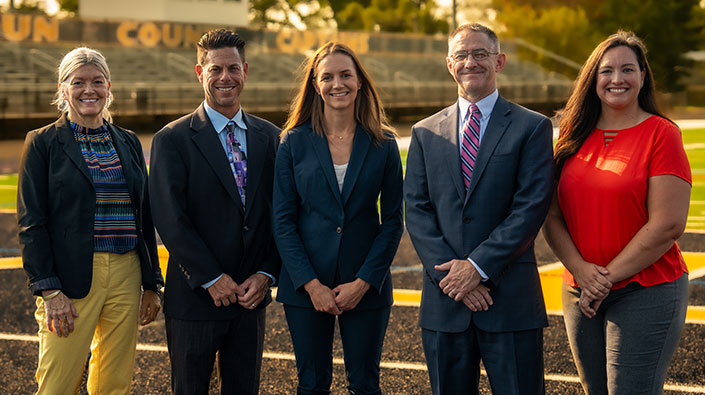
(21, 100)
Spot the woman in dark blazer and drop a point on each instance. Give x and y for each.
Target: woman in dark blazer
(86, 234)
(337, 157)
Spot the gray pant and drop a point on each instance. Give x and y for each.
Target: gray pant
(626, 347)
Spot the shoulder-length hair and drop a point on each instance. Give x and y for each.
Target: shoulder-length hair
(583, 109)
(308, 105)
(79, 57)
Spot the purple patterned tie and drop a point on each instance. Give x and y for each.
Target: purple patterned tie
(471, 143)
(237, 159)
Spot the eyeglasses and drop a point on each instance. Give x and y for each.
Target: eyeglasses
(477, 54)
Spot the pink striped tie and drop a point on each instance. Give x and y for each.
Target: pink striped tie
(471, 143)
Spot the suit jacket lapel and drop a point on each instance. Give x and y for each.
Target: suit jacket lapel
(208, 143)
(320, 146)
(126, 160)
(361, 145)
(450, 152)
(499, 121)
(256, 151)
(70, 146)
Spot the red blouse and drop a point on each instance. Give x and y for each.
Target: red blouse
(602, 194)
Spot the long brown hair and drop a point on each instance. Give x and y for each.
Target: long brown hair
(308, 105)
(583, 109)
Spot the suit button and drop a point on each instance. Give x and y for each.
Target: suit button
(466, 220)
(339, 229)
(246, 228)
(466, 256)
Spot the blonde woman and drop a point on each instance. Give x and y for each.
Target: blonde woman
(86, 234)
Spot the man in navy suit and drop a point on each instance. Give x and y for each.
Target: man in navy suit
(478, 186)
(212, 176)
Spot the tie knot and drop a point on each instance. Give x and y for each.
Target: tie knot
(230, 127)
(474, 110)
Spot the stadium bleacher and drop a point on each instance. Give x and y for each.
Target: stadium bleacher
(159, 81)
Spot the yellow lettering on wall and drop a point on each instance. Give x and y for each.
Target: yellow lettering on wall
(359, 42)
(191, 36)
(309, 40)
(45, 30)
(292, 41)
(16, 27)
(287, 41)
(123, 33)
(172, 37)
(149, 35)
(322, 38)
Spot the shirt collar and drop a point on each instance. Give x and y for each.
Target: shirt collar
(486, 104)
(219, 120)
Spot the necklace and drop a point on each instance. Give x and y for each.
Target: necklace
(337, 136)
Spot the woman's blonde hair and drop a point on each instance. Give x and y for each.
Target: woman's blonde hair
(308, 105)
(71, 62)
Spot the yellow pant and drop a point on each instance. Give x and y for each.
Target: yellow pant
(106, 322)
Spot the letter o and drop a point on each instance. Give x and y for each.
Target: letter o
(149, 35)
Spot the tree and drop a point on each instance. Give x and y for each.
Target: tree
(70, 6)
(564, 31)
(28, 7)
(300, 14)
(385, 15)
(669, 29)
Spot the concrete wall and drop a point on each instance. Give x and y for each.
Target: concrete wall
(226, 12)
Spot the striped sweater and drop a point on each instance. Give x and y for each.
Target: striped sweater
(115, 229)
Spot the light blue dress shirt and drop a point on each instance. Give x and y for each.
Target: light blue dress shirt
(485, 105)
(219, 121)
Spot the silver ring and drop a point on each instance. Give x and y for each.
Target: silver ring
(253, 305)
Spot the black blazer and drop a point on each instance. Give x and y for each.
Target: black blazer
(56, 210)
(199, 214)
(322, 232)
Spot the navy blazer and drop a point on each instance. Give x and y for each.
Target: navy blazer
(199, 214)
(56, 210)
(321, 231)
(494, 223)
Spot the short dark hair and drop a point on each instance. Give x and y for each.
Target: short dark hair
(219, 38)
(477, 28)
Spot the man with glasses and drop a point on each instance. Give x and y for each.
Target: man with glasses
(478, 186)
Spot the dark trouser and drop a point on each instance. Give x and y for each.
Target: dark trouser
(193, 346)
(513, 361)
(626, 347)
(362, 334)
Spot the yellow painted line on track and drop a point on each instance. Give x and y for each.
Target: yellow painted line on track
(551, 281)
(14, 262)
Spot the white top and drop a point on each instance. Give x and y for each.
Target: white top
(340, 174)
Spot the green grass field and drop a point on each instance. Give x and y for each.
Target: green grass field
(693, 139)
(8, 191)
